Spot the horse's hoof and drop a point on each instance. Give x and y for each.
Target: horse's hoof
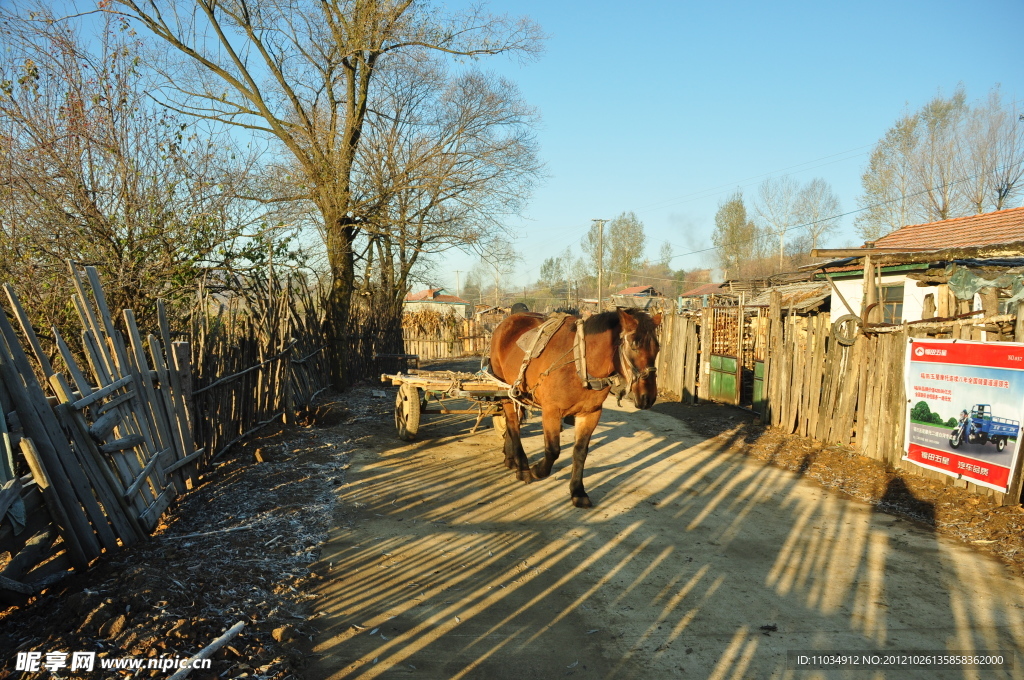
(524, 476)
(539, 473)
(582, 501)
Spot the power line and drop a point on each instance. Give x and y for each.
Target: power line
(845, 214)
(704, 193)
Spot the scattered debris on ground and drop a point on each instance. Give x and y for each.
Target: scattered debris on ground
(238, 548)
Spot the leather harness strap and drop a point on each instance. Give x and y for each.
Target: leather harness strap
(579, 349)
(533, 347)
(536, 344)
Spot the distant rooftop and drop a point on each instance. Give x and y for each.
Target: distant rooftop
(434, 295)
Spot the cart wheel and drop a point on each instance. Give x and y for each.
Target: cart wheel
(500, 426)
(407, 412)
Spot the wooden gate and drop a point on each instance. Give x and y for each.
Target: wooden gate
(726, 350)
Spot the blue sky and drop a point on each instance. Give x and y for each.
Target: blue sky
(664, 108)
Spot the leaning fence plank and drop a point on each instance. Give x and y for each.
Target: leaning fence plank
(81, 383)
(155, 460)
(40, 425)
(53, 503)
(179, 406)
(151, 515)
(98, 473)
(187, 460)
(149, 405)
(30, 334)
(168, 412)
(102, 393)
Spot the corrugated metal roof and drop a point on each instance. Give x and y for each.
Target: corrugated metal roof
(800, 296)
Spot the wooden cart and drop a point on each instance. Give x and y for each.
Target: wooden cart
(418, 390)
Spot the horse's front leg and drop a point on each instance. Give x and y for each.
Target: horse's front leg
(586, 423)
(552, 422)
(515, 456)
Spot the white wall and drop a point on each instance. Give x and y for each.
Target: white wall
(913, 296)
(853, 291)
(463, 310)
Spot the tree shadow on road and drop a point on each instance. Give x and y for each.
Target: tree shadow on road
(695, 561)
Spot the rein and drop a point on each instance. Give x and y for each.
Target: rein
(625, 362)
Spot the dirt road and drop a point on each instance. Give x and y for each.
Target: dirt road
(695, 562)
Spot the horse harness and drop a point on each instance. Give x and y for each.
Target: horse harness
(536, 339)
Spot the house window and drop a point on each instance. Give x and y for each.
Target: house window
(892, 303)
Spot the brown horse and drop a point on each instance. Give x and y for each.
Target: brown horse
(620, 347)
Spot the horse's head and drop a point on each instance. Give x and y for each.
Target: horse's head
(638, 351)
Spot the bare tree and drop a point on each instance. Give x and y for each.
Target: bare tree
(300, 72)
(817, 211)
(735, 236)
(556, 271)
(444, 161)
(625, 243)
(946, 160)
(935, 162)
(665, 254)
(1006, 129)
(976, 153)
(93, 172)
(499, 257)
(776, 206)
(888, 202)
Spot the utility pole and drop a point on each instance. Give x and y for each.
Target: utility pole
(600, 263)
(457, 287)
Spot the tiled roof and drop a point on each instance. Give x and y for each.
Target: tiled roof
(427, 294)
(1003, 226)
(634, 290)
(434, 295)
(706, 289)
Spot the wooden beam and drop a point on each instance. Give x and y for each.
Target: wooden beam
(911, 256)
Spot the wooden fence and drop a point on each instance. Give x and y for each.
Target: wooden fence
(469, 338)
(679, 357)
(261, 357)
(853, 394)
(93, 464)
(818, 387)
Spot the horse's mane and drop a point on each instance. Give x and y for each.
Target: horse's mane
(609, 321)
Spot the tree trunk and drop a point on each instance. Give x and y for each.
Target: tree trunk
(340, 237)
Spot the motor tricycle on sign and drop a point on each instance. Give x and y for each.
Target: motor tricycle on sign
(979, 426)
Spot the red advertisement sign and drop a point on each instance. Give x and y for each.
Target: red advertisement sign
(965, 404)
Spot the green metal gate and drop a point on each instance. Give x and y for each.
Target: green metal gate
(759, 396)
(724, 379)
